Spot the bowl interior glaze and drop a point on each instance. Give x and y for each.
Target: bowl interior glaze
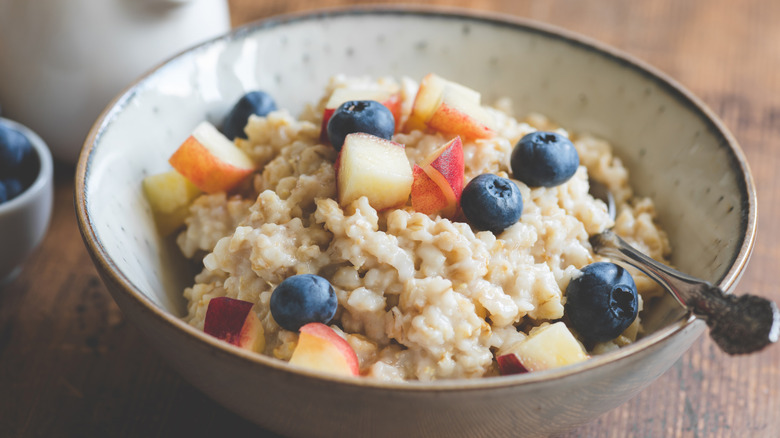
(675, 148)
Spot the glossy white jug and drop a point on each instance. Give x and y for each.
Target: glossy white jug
(63, 61)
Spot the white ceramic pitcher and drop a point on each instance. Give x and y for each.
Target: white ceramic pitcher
(62, 61)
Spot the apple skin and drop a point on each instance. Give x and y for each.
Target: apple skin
(392, 100)
(375, 168)
(450, 108)
(445, 168)
(457, 114)
(427, 196)
(233, 321)
(510, 364)
(322, 349)
(210, 161)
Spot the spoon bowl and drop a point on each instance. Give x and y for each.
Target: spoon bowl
(738, 325)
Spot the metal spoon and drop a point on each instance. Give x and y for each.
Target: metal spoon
(738, 324)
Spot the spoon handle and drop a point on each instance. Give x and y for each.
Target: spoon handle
(738, 324)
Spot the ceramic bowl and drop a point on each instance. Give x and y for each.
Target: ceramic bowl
(677, 151)
(25, 218)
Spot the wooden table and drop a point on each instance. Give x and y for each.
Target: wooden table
(70, 365)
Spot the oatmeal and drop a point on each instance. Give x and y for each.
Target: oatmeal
(419, 296)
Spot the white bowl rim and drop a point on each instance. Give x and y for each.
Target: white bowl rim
(45, 168)
(230, 352)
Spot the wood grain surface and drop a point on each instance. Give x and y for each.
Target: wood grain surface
(71, 366)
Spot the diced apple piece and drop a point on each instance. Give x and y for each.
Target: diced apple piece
(388, 98)
(549, 347)
(170, 195)
(211, 161)
(235, 322)
(450, 108)
(444, 167)
(510, 364)
(429, 96)
(427, 196)
(458, 113)
(425, 102)
(322, 349)
(375, 168)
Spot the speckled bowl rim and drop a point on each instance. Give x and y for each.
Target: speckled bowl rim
(227, 351)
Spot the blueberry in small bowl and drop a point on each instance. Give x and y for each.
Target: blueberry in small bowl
(18, 163)
(26, 193)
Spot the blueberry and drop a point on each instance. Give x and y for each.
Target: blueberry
(15, 149)
(491, 203)
(254, 102)
(544, 159)
(602, 302)
(301, 299)
(367, 116)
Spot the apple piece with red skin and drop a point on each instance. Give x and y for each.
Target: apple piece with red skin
(427, 196)
(444, 167)
(210, 161)
(510, 364)
(390, 99)
(235, 322)
(460, 113)
(320, 348)
(375, 168)
(428, 98)
(450, 108)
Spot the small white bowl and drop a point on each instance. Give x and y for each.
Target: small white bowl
(25, 218)
(677, 151)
